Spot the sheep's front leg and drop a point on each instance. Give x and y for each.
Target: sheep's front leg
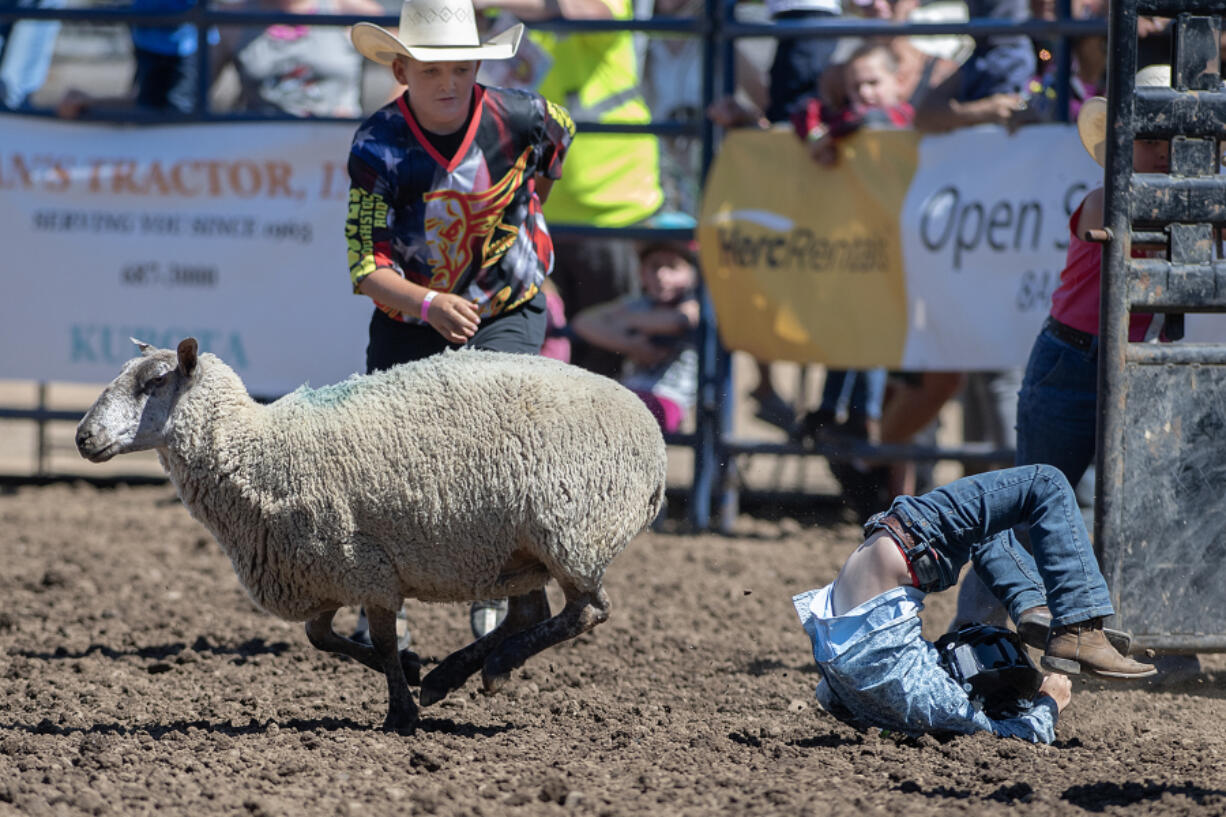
(583, 611)
(522, 612)
(321, 635)
(401, 711)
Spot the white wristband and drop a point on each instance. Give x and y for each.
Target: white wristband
(425, 306)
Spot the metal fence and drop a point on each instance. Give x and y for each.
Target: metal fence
(714, 483)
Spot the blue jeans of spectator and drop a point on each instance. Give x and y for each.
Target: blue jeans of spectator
(862, 392)
(1057, 406)
(25, 54)
(971, 519)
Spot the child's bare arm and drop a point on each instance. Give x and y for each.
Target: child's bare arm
(665, 320)
(449, 314)
(608, 326)
(1091, 217)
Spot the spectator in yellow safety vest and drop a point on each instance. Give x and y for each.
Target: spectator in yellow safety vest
(612, 180)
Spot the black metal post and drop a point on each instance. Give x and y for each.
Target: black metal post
(1113, 306)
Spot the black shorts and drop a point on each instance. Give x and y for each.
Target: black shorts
(391, 342)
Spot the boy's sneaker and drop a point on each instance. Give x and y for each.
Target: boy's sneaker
(361, 630)
(486, 615)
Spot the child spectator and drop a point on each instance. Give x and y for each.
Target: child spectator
(655, 331)
(1089, 65)
(874, 99)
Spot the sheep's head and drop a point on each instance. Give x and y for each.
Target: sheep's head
(134, 412)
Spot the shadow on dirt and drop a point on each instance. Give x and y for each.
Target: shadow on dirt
(248, 649)
(157, 731)
(942, 792)
(1211, 685)
(764, 666)
(1099, 797)
(830, 740)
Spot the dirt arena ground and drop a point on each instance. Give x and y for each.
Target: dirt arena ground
(137, 678)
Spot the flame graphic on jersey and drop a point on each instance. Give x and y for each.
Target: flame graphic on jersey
(472, 218)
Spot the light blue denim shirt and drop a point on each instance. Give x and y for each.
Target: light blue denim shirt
(878, 670)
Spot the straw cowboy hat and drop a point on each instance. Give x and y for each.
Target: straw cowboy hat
(434, 31)
(1092, 118)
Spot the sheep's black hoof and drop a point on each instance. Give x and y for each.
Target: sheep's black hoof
(491, 684)
(411, 664)
(431, 694)
(403, 723)
(495, 673)
(439, 683)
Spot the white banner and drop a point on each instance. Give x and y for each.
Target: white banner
(232, 233)
(984, 232)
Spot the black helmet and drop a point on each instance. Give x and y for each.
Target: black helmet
(993, 667)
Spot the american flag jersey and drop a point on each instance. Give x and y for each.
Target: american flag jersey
(469, 224)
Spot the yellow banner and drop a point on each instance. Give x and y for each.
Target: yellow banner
(804, 262)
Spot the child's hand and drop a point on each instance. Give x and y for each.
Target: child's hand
(642, 351)
(821, 148)
(1059, 688)
(453, 317)
(728, 113)
(72, 105)
(1002, 109)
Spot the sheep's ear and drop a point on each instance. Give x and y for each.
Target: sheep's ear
(187, 355)
(144, 348)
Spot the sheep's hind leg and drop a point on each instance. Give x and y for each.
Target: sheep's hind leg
(321, 635)
(401, 711)
(583, 611)
(523, 612)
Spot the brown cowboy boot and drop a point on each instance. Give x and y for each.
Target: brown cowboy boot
(1083, 647)
(1034, 624)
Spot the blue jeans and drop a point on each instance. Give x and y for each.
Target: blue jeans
(861, 392)
(1057, 407)
(26, 50)
(971, 519)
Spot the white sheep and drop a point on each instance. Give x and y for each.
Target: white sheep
(468, 475)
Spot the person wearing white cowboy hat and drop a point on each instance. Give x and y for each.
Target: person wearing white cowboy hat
(444, 224)
(440, 31)
(1057, 411)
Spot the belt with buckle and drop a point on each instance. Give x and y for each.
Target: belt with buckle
(1073, 337)
(930, 571)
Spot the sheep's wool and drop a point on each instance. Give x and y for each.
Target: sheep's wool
(423, 481)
